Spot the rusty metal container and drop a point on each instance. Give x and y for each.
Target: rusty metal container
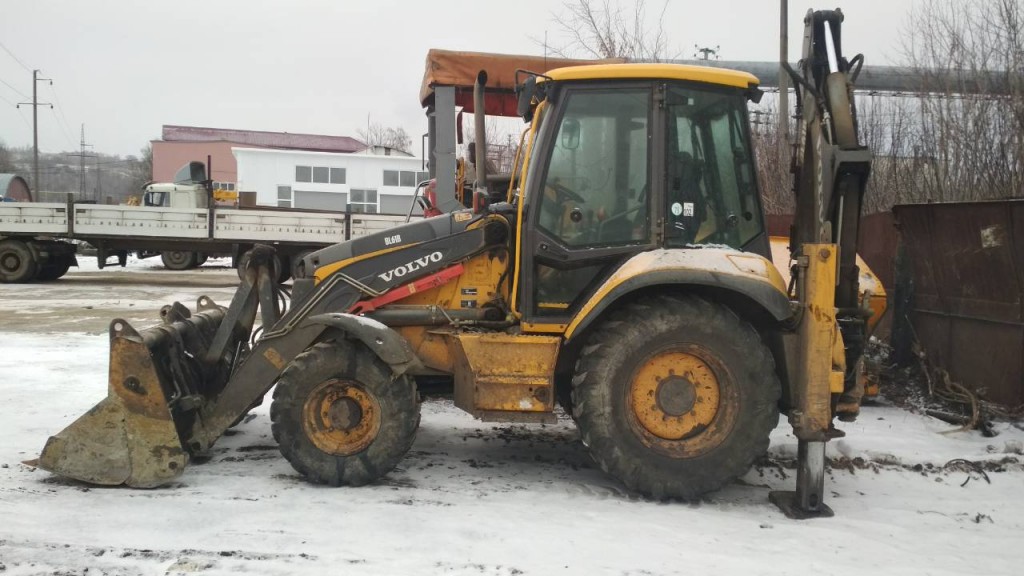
(960, 292)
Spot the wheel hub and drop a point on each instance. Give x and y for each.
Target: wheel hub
(345, 414)
(674, 395)
(9, 261)
(340, 417)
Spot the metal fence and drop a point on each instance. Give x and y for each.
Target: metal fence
(959, 285)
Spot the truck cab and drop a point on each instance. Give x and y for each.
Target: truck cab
(168, 195)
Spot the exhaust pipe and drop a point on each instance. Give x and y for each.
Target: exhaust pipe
(479, 117)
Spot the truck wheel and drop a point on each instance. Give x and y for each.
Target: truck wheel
(51, 272)
(16, 262)
(675, 396)
(284, 270)
(276, 272)
(340, 417)
(297, 263)
(178, 259)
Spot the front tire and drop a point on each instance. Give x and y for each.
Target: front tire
(675, 396)
(340, 417)
(17, 264)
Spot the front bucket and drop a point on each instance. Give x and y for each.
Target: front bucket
(128, 438)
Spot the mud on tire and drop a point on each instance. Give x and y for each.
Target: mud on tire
(675, 396)
(340, 417)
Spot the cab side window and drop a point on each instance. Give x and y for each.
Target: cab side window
(596, 189)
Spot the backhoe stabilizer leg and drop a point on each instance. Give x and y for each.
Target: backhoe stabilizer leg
(808, 500)
(813, 379)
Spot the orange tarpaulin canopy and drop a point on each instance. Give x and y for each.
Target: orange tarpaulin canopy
(459, 69)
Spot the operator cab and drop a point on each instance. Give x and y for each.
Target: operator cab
(631, 158)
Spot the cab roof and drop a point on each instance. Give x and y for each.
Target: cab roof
(706, 75)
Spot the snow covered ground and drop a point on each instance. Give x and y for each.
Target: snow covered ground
(470, 498)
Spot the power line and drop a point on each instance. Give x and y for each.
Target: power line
(15, 57)
(16, 91)
(21, 114)
(8, 101)
(64, 126)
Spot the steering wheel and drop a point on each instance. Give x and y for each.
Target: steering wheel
(565, 192)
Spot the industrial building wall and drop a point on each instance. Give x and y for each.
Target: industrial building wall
(282, 178)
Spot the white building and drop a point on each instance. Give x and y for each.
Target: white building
(371, 183)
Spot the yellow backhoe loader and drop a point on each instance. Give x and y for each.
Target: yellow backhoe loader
(623, 269)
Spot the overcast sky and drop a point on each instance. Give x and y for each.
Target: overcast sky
(125, 68)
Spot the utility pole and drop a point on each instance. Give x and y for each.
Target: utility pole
(783, 86)
(99, 187)
(81, 165)
(35, 104)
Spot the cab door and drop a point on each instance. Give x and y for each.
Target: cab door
(589, 204)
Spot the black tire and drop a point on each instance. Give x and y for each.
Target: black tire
(51, 272)
(284, 269)
(276, 271)
(16, 262)
(201, 259)
(720, 434)
(178, 260)
(391, 418)
(296, 262)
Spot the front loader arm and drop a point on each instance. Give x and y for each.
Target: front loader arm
(298, 328)
(174, 389)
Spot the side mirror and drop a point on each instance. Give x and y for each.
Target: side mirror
(525, 93)
(570, 134)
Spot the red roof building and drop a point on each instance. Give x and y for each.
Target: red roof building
(180, 145)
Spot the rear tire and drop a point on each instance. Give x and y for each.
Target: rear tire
(17, 264)
(296, 263)
(340, 417)
(51, 272)
(277, 274)
(675, 396)
(178, 260)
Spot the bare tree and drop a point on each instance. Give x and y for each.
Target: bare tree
(140, 169)
(975, 143)
(6, 162)
(379, 135)
(604, 29)
(503, 136)
(939, 144)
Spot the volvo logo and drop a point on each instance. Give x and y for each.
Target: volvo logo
(410, 267)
